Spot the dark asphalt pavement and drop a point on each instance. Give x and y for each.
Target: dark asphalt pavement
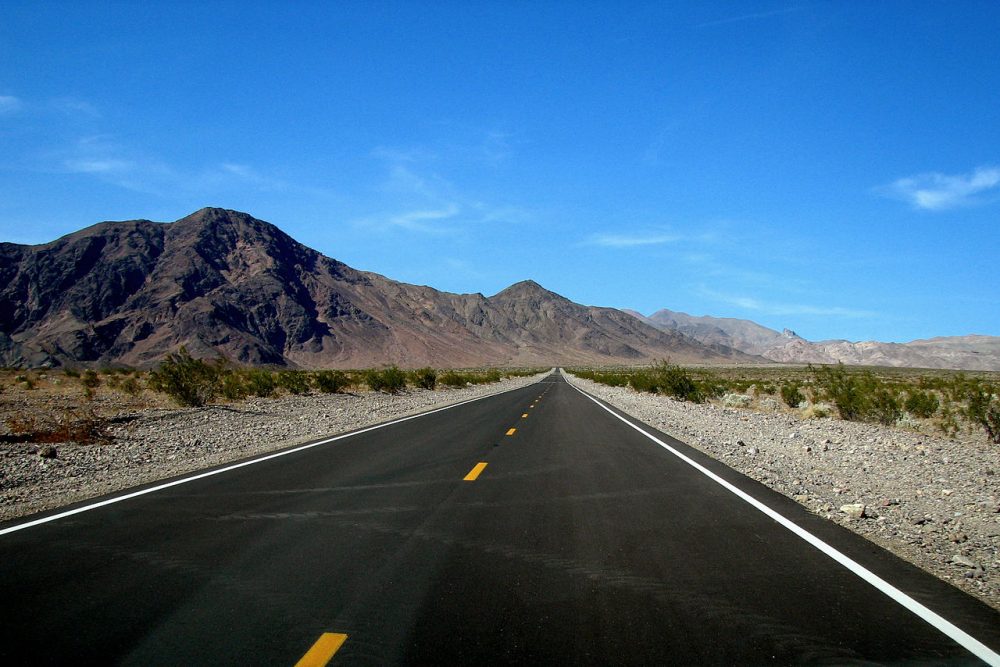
(580, 542)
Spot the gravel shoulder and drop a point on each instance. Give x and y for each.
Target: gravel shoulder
(158, 443)
(932, 501)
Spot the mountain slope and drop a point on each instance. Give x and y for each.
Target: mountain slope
(223, 282)
(958, 352)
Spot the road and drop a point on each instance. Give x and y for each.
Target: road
(530, 527)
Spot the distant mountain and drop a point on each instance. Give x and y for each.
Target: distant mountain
(959, 352)
(223, 282)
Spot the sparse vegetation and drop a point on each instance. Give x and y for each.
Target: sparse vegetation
(189, 381)
(331, 382)
(983, 409)
(424, 378)
(791, 394)
(294, 382)
(921, 403)
(260, 382)
(390, 380)
(947, 401)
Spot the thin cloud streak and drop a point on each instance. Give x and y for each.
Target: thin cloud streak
(749, 17)
(771, 308)
(428, 203)
(10, 104)
(630, 241)
(936, 192)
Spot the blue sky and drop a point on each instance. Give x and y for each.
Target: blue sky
(831, 167)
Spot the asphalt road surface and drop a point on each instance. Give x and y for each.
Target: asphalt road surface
(531, 527)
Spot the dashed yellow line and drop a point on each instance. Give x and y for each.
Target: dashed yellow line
(512, 431)
(322, 651)
(475, 472)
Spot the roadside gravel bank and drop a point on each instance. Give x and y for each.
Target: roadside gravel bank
(932, 501)
(155, 444)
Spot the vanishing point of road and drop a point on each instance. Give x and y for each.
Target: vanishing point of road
(536, 526)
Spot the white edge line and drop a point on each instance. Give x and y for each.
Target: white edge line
(219, 471)
(964, 639)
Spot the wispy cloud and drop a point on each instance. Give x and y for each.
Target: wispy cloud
(774, 308)
(76, 108)
(99, 165)
(10, 104)
(423, 220)
(935, 191)
(429, 203)
(631, 240)
(748, 17)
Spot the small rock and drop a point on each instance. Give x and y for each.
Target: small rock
(854, 510)
(962, 561)
(48, 452)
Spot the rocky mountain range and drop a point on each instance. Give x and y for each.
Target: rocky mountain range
(971, 352)
(221, 282)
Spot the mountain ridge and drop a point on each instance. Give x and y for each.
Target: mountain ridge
(972, 352)
(221, 282)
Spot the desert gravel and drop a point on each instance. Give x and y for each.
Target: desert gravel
(933, 501)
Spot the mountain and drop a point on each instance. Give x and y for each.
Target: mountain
(223, 282)
(972, 352)
(742, 335)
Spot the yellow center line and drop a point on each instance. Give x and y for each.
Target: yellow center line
(512, 431)
(474, 473)
(322, 651)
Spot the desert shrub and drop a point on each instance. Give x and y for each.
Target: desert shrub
(608, 378)
(791, 394)
(71, 372)
(452, 379)
(189, 381)
(389, 379)
(983, 409)
(673, 381)
(260, 382)
(710, 386)
(232, 385)
(845, 390)
(883, 407)
(922, 404)
(331, 382)
(667, 379)
(425, 378)
(294, 382)
(90, 379)
(736, 400)
(131, 386)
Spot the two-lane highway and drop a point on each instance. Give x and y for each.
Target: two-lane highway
(534, 526)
